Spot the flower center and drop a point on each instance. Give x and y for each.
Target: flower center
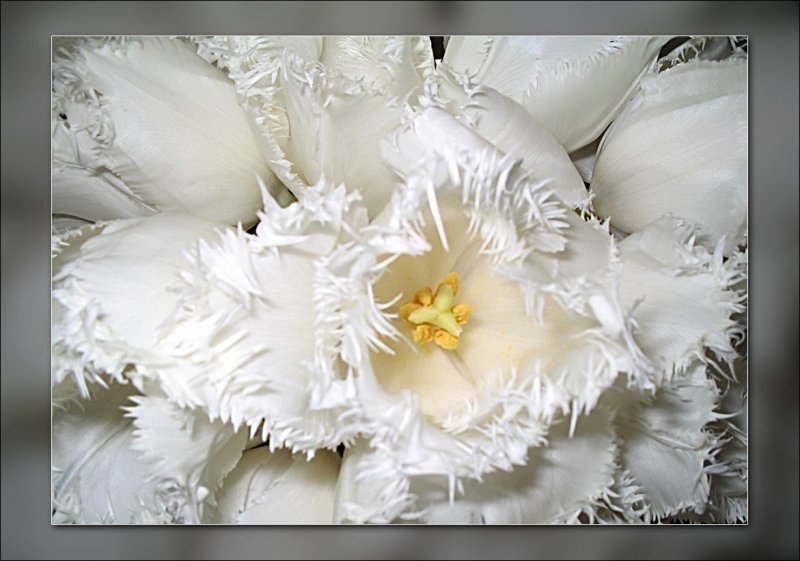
(435, 316)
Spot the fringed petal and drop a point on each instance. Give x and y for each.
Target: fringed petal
(680, 148)
(463, 115)
(714, 47)
(559, 481)
(326, 106)
(574, 86)
(111, 292)
(537, 347)
(279, 488)
(728, 468)
(379, 63)
(97, 475)
(334, 131)
(188, 454)
(682, 297)
(666, 445)
(251, 341)
(151, 126)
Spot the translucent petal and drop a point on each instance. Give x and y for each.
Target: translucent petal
(574, 86)
(680, 148)
(167, 124)
(279, 488)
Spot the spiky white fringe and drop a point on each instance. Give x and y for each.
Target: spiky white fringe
(515, 219)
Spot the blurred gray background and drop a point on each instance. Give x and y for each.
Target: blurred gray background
(773, 30)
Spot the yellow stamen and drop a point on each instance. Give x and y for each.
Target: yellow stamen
(424, 296)
(445, 340)
(424, 334)
(462, 313)
(435, 316)
(451, 279)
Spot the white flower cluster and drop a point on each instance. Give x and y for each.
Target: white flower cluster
(303, 280)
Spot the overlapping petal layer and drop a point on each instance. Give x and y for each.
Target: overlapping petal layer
(680, 149)
(145, 125)
(574, 86)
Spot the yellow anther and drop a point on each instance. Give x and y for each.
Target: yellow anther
(435, 316)
(407, 309)
(453, 280)
(424, 296)
(445, 340)
(462, 313)
(424, 333)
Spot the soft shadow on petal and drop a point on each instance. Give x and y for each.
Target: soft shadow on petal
(278, 487)
(574, 86)
(152, 115)
(680, 148)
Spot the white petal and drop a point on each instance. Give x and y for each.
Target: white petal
(680, 148)
(97, 475)
(380, 62)
(254, 340)
(488, 119)
(336, 134)
(681, 296)
(714, 47)
(185, 450)
(279, 488)
(163, 121)
(664, 445)
(574, 86)
(247, 57)
(557, 482)
(89, 192)
(325, 118)
(111, 291)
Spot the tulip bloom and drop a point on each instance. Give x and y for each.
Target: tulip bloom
(441, 323)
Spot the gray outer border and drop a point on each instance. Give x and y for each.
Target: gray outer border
(773, 31)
